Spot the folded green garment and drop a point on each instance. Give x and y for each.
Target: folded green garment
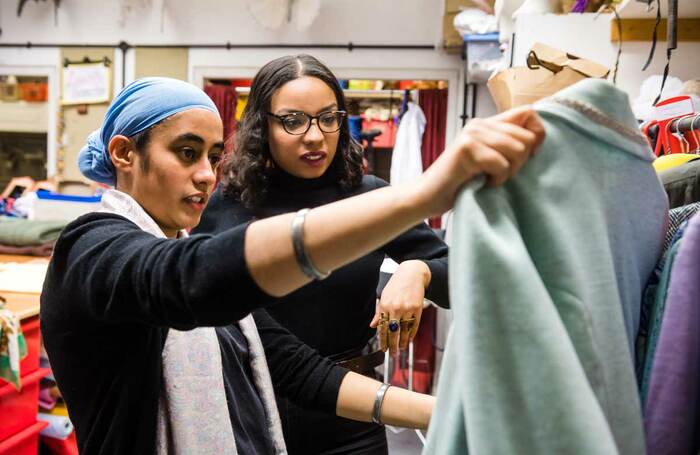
(20, 232)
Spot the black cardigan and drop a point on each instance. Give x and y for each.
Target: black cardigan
(111, 293)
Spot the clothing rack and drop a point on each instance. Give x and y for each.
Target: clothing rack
(685, 124)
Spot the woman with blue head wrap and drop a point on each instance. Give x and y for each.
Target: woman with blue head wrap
(130, 302)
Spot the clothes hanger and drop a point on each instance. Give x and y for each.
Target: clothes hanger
(666, 138)
(685, 145)
(695, 133)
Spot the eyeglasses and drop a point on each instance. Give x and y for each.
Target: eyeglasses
(298, 123)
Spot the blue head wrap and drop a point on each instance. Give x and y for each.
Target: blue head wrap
(139, 105)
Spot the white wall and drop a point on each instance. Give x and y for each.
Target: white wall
(218, 21)
(588, 37)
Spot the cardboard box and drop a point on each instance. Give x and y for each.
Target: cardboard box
(450, 37)
(549, 70)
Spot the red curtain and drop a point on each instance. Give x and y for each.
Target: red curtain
(224, 97)
(433, 102)
(423, 356)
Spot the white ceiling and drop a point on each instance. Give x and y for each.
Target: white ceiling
(635, 9)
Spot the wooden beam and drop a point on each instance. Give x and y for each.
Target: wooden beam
(643, 29)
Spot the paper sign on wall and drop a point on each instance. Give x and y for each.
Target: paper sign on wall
(86, 83)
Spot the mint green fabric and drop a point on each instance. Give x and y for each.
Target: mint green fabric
(20, 232)
(546, 276)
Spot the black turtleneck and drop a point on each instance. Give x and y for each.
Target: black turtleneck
(332, 315)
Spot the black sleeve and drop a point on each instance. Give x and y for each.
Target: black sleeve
(420, 242)
(118, 273)
(298, 371)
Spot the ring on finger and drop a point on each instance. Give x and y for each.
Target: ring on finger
(394, 325)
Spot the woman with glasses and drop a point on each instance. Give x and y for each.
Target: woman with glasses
(293, 151)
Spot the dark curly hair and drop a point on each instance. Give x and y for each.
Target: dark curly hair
(246, 172)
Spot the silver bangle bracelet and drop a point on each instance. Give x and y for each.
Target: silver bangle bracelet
(376, 411)
(302, 258)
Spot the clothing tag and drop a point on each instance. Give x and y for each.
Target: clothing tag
(674, 107)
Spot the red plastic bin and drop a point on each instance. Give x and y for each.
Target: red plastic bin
(32, 336)
(19, 409)
(26, 442)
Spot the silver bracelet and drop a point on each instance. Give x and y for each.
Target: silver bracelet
(376, 411)
(300, 252)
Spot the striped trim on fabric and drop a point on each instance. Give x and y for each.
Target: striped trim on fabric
(597, 116)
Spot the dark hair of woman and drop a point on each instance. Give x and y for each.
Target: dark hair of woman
(141, 141)
(247, 171)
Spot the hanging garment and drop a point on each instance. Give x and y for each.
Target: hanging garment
(654, 296)
(676, 218)
(652, 314)
(182, 421)
(672, 411)
(406, 163)
(546, 275)
(682, 183)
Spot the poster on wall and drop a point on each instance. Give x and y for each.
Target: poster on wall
(86, 83)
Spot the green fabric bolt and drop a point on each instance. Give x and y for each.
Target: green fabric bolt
(20, 232)
(546, 277)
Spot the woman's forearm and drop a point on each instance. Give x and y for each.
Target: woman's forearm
(334, 235)
(400, 407)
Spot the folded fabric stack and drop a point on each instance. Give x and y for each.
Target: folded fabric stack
(29, 237)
